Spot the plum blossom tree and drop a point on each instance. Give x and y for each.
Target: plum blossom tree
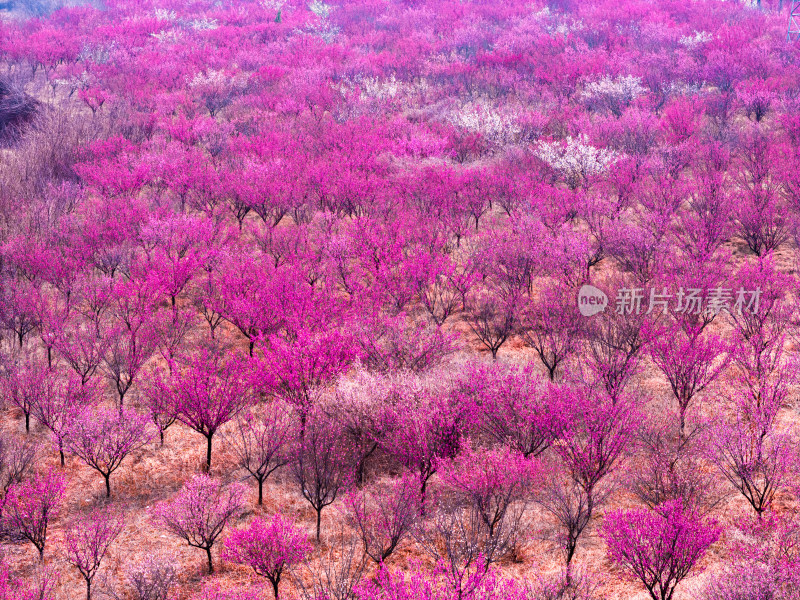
(87, 540)
(589, 443)
(58, 408)
(263, 441)
(659, 548)
(323, 462)
(690, 359)
(270, 547)
(383, 514)
(103, 437)
(199, 512)
(30, 506)
(511, 408)
(207, 393)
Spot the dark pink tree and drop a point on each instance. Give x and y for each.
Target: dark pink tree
(511, 407)
(660, 549)
(61, 405)
(208, 392)
(87, 540)
(426, 422)
(589, 443)
(27, 382)
(270, 547)
(690, 360)
(552, 326)
(199, 512)
(31, 505)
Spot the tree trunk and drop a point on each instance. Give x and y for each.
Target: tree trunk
(88, 589)
(210, 562)
(260, 492)
(108, 484)
(275, 582)
(208, 454)
(319, 521)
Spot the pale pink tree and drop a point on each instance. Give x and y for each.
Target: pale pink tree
(659, 548)
(199, 512)
(322, 465)
(102, 437)
(383, 514)
(270, 547)
(87, 540)
(262, 441)
(31, 505)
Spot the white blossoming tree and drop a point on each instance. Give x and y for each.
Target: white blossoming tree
(575, 160)
(612, 94)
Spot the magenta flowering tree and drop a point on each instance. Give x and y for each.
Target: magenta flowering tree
(58, 408)
(207, 393)
(87, 540)
(589, 443)
(30, 505)
(297, 368)
(659, 548)
(270, 547)
(690, 360)
(103, 437)
(496, 484)
(199, 512)
(552, 327)
(614, 344)
(26, 383)
(512, 408)
(425, 423)
(753, 455)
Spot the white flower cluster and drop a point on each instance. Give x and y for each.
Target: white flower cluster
(272, 4)
(214, 79)
(373, 87)
(626, 88)
(575, 159)
(211, 78)
(162, 14)
(99, 54)
(320, 9)
(203, 24)
(486, 119)
(168, 36)
(323, 30)
(699, 37)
